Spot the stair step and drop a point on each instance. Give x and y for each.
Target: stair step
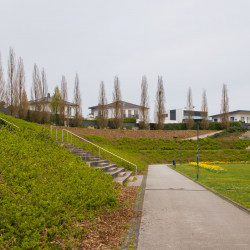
(116, 172)
(90, 158)
(123, 179)
(103, 164)
(106, 167)
(95, 163)
(121, 174)
(112, 169)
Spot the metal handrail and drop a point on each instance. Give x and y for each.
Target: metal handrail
(10, 123)
(51, 131)
(96, 146)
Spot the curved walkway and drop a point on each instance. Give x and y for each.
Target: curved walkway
(180, 214)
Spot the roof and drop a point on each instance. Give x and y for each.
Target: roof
(126, 105)
(236, 111)
(48, 100)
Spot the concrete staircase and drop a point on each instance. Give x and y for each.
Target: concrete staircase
(119, 174)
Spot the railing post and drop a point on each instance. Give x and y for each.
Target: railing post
(51, 130)
(67, 137)
(71, 138)
(56, 134)
(62, 135)
(99, 155)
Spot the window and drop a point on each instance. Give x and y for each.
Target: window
(232, 119)
(215, 120)
(242, 118)
(69, 111)
(166, 115)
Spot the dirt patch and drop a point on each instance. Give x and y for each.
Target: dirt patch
(135, 134)
(108, 230)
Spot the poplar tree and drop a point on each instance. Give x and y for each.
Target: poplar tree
(204, 111)
(12, 90)
(36, 95)
(63, 101)
(102, 118)
(117, 105)
(224, 111)
(190, 112)
(20, 78)
(143, 109)
(160, 105)
(2, 86)
(45, 112)
(78, 103)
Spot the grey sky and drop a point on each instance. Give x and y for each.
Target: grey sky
(201, 44)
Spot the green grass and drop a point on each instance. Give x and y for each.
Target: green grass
(45, 191)
(234, 183)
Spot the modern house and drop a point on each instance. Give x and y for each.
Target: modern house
(180, 115)
(129, 110)
(237, 115)
(69, 106)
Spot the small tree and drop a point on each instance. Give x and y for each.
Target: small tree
(36, 95)
(62, 102)
(204, 111)
(143, 109)
(160, 105)
(45, 116)
(224, 112)
(2, 86)
(20, 78)
(78, 103)
(12, 90)
(102, 118)
(190, 112)
(54, 104)
(117, 105)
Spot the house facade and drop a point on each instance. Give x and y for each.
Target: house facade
(70, 108)
(237, 115)
(180, 115)
(129, 110)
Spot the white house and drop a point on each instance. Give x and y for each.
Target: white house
(180, 115)
(237, 115)
(69, 107)
(129, 110)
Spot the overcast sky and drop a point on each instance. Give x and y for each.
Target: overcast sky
(199, 44)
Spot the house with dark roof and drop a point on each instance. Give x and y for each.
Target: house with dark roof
(69, 106)
(129, 110)
(237, 115)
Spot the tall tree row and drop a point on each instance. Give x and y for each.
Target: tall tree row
(117, 105)
(204, 111)
(224, 111)
(190, 110)
(102, 118)
(160, 105)
(2, 86)
(143, 109)
(77, 102)
(63, 102)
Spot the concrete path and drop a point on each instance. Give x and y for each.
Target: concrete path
(203, 136)
(180, 214)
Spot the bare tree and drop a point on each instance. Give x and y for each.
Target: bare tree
(190, 112)
(78, 103)
(160, 105)
(20, 78)
(2, 86)
(102, 118)
(36, 95)
(204, 111)
(24, 106)
(12, 90)
(143, 109)
(224, 112)
(45, 112)
(117, 105)
(63, 101)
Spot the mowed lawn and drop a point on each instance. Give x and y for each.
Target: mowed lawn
(234, 183)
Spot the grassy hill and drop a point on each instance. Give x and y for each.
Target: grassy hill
(45, 191)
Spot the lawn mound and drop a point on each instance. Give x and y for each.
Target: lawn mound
(45, 191)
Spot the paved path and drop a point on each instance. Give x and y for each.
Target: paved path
(203, 136)
(180, 214)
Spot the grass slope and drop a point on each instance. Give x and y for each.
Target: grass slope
(45, 191)
(234, 183)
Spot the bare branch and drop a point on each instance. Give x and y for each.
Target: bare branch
(2, 86)
(78, 103)
(224, 112)
(102, 118)
(204, 111)
(143, 109)
(190, 112)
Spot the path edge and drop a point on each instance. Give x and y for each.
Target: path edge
(246, 210)
(132, 235)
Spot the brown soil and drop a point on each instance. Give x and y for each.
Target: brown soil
(107, 231)
(135, 134)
